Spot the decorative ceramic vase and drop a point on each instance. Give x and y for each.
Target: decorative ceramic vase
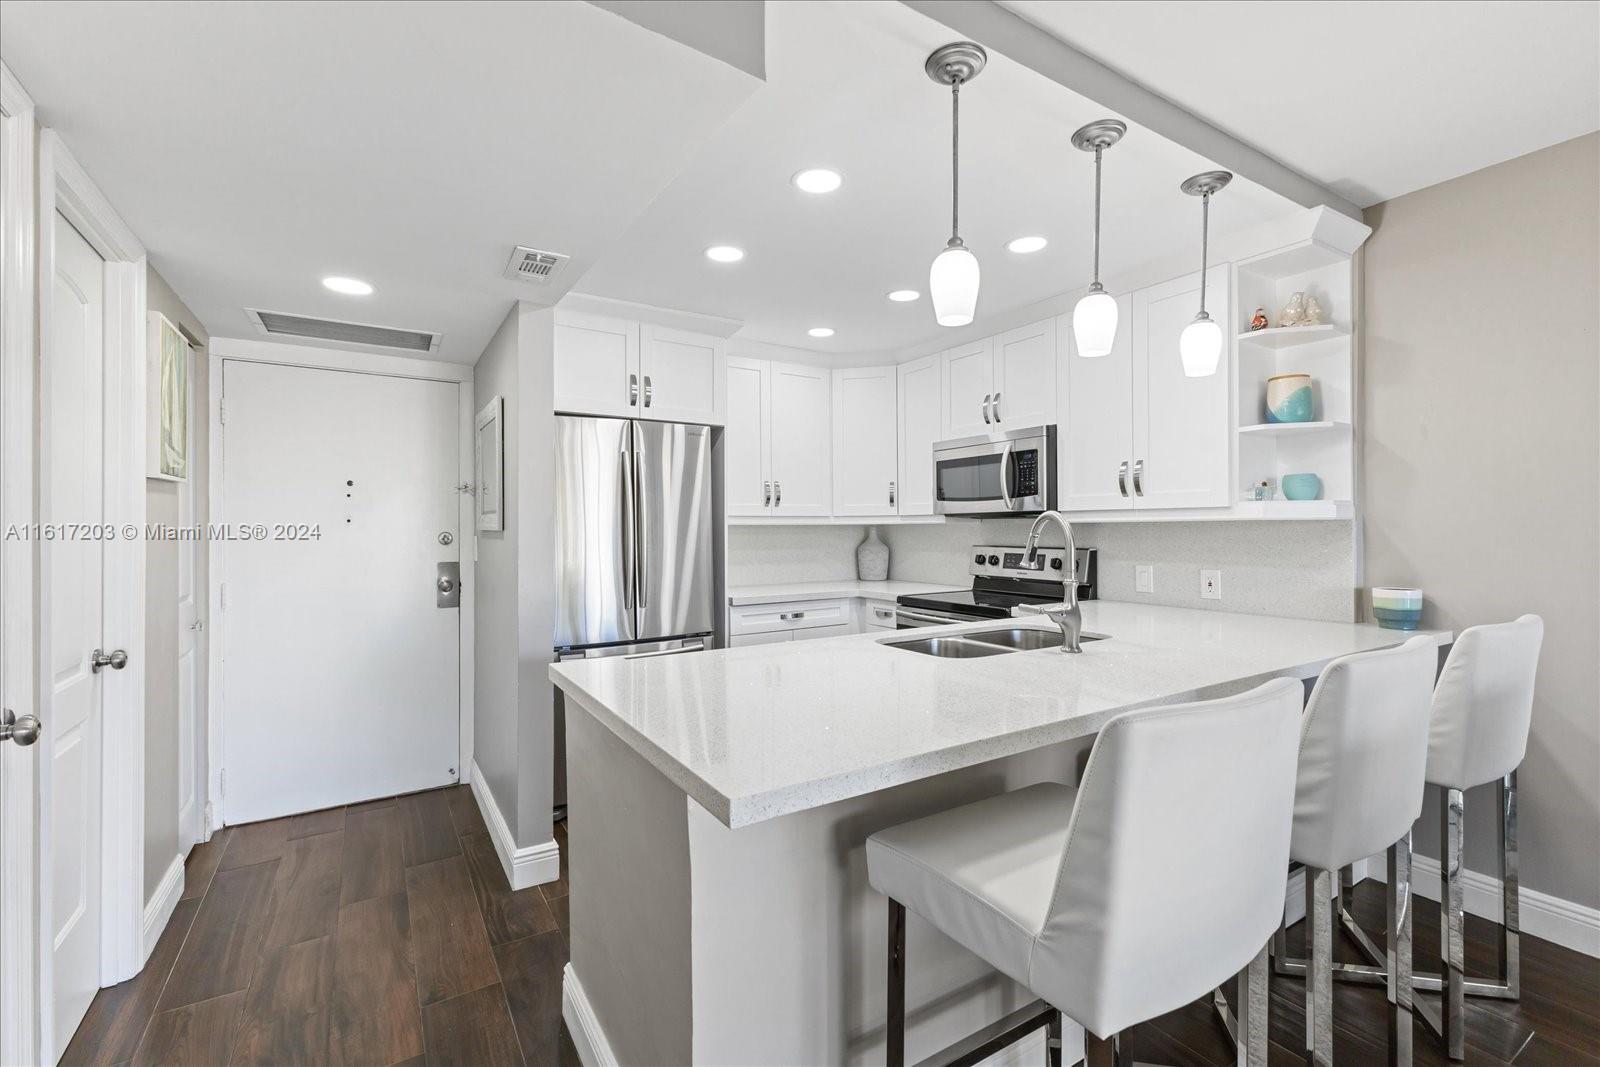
(872, 558)
(1289, 398)
(1397, 609)
(1301, 486)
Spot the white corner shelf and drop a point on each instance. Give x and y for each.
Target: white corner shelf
(1294, 509)
(1289, 336)
(1292, 429)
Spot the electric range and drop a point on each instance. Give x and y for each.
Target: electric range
(1001, 580)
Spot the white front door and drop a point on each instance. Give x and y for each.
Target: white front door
(340, 670)
(72, 494)
(189, 654)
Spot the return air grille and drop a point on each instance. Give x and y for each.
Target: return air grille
(278, 324)
(534, 264)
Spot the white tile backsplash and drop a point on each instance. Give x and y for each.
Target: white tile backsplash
(764, 555)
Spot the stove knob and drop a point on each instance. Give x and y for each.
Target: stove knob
(978, 558)
(994, 561)
(1055, 564)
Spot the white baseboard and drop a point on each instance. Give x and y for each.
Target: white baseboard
(159, 908)
(525, 867)
(576, 1011)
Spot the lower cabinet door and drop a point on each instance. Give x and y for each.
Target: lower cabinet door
(776, 638)
(815, 632)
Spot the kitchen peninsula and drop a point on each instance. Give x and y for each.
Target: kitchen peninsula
(720, 906)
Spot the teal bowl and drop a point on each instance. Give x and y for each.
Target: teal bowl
(1398, 618)
(1301, 486)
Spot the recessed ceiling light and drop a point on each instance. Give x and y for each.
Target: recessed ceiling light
(724, 254)
(348, 286)
(1023, 246)
(904, 296)
(820, 331)
(819, 180)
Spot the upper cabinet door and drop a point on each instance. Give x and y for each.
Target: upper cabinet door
(921, 427)
(680, 376)
(801, 438)
(1094, 444)
(748, 488)
(865, 449)
(1025, 377)
(969, 389)
(596, 365)
(1182, 432)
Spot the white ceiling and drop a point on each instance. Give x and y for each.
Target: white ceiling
(1372, 100)
(846, 90)
(256, 147)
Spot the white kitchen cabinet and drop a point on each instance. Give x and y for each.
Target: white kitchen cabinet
(1138, 433)
(921, 384)
(596, 365)
(606, 366)
(797, 617)
(778, 441)
(680, 376)
(1025, 376)
(1181, 428)
(969, 387)
(877, 615)
(816, 633)
(780, 637)
(866, 465)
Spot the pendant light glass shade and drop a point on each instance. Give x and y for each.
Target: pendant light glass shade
(1094, 324)
(1200, 346)
(953, 284)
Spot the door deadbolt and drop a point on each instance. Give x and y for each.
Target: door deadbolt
(115, 660)
(447, 538)
(24, 731)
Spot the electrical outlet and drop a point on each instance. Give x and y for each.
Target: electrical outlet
(1210, 585)
(1144, 578)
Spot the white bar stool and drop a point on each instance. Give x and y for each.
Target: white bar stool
(1147, 886)
(1363, 749)
(1482, 709)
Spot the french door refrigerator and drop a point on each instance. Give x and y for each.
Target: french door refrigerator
(634, 529)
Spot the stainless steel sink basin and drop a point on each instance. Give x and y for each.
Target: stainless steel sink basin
(948, 647)
(1025, 639)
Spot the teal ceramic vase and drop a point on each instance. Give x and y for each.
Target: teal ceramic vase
(1397, 609)
(1289, 398)
(1301, 486)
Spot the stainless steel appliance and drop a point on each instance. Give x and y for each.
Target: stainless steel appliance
(634, 530)
(1010, 474)
(1002, 579)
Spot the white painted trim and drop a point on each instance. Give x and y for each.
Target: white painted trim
(524, 867)
(692, 321)
(158, 911)
(258, 351)
(587, 1037)
(22, 935)
(64, 186)
(249, 350)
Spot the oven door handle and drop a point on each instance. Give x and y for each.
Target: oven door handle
(1005, 476)
(924, 618)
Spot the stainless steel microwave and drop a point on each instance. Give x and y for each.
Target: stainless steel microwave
(1010, 474)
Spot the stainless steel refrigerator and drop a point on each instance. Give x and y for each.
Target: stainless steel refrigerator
(634, 532)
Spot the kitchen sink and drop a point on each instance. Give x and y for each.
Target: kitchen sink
(1024, 638)
(948, 648)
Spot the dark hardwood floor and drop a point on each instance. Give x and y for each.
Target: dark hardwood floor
(379, 934)
(385, 933)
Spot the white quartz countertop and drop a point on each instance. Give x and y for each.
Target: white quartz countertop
(759, 732)
(777, 593)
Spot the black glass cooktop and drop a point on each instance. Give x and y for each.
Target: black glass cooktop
(979, 603)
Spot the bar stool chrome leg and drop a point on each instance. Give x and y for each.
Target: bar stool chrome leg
(1452, 919)
(1398, 956)
(1319, 967)
(1510, 877)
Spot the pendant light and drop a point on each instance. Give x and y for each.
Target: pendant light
(1200, 344)
(953, 278)
(1094, 320)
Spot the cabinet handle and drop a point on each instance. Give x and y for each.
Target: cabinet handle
(777, 494)
(891, 494)
(633, 390)
(1122, 477)
(986, 409)
(648, 392)
(883, 613)
(995, 407)
(790, 616)
(1138, 478)
(766, 494)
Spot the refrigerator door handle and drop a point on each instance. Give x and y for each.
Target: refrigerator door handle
(641, 549)
(625, 528)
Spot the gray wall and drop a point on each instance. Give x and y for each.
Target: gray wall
(1301, 569)
(1482, 463)
(161, 616)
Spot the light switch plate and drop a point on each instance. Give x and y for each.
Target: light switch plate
(1210, 585)
(1144, 578)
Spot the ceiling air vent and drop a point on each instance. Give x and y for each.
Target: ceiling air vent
(535, 265)
(278, 324)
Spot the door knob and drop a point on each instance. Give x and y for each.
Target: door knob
(24, 731)
(115, 660)
(446, 586)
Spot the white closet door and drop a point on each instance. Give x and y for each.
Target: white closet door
(801, 440)
(921, 427)
(865, 450)
(1094, 444)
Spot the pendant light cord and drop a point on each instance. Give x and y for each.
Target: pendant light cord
(1205, 229)
(1097, 151)
(955, 160)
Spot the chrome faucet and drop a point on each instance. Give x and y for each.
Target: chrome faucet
(1067, 615)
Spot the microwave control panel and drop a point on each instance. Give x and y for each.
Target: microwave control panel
(1025, 476)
